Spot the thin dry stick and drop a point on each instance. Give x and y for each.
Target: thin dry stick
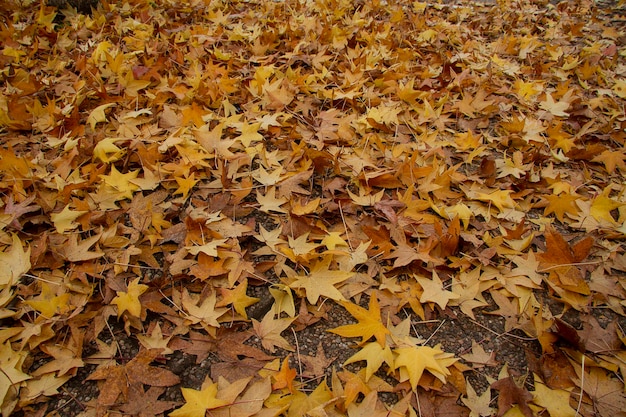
(298, 353)
(572, 264)
(528, 339)
(435, 332)
(345, 226)
(419, 408)
(582, 384)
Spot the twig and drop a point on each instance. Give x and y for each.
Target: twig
(295, 337)
(571, 264)
(345, 226)
(582, 384)
(435, 332)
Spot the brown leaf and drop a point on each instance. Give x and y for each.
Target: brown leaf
(510, 393)
(117, 378)
(146, 403)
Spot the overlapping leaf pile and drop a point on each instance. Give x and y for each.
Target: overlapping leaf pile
(157, 158)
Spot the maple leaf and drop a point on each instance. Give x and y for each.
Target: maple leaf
(269, 330)
(413, 361)
(64, 220)
(284, 378)
(156, 340)
(238, 298)
(479, 405)
(107, 151)
(283, 300)
(246, 403)
(602, 206)
(119, 185)
(300, 404)
(560, 260)
(206, 312)
(321, 281)
(555, 108)
(369, 325)
(76, 251)
(137, 371)
(14, 263)
(11, 375)
(611, 160)
(354, 385)
(499, 198)
(316, 365)
(479, 357)
(15, 211)
(269, 202)
(197, 402)
(98, 115)
(300, 247)
(606, 393)
(375, 355)
(561, 205)
(185, 184)
(129, 300)
(556, 401)
(48, 303)
(249, 133)
(510, 393)
(434, 292)
(146, 403)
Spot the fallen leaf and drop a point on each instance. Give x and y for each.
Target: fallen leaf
(269, 330)
(369, 325)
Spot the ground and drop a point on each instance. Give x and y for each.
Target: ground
(177, 180)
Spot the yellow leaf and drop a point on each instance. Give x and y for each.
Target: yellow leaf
(301, 210)
(269, 330)
(129, 300)
(14, 263)
(198, 402)
(321, 282)
(132, 86)
(48, 303)
(238, 298)
(283, 300)
(369, 325)
(269, 202)
(119, 184)
(46, 385)
(249, 133)
(185, 184)
(64, 220)
(619, 88)
(602, 206)
(301, 247)
(434, 292)
(499, 198)
(555, 108)
(98, 115)
(366, 199)
(107, 151)
(374, 354)
(209, 248)
(413, 361)
(156, 340)
(205, 313)
(556, 401)
(303, 405)
(334, 239)
(11, 375)
(611, 160)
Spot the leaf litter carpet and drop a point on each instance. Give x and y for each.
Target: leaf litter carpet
(324, 208)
